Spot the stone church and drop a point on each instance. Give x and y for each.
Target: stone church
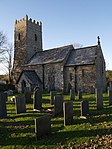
(60, 68)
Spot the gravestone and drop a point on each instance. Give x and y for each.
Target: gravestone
(58, 105)
(84, 108)
(52, 94)
(42, 126)
(72, 94)
(99, 98)
(20, 103)
(79, 94)
(37, 98)
(110, 85)
(110, 96)
(28, 95)
(5, 96)
(68, 112)
(3, 110)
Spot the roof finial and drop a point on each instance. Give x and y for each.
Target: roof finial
(98, 40)
(26, 17)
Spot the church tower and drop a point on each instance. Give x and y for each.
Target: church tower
(27, 41)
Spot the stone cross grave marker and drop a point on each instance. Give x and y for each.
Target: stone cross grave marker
(20, 103)
(58, 105)
(42, 126)
(3, 110)
(37, 98)
(68, 112)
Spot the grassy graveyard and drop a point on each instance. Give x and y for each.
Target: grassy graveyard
(17, 131)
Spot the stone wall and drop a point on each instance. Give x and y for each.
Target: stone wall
(53, 74)
(69, 78)
(19, 48)
(100, 70)
(27, 41)
(80, 77)
(33, 38)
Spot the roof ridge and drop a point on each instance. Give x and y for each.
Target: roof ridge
(87, 47)
(58, 47)
(48, 50)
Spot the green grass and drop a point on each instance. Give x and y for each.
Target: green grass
(17, 131)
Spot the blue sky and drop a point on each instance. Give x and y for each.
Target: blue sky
(64, 21)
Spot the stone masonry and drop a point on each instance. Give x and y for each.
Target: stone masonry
(26, 44)
(61, 68)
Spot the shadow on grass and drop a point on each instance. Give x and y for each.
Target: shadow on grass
(93, 120)
(5, 124)
(54, 138)
(105, 110)
(24, 115)
(18, 141)
(44, 100)
(62, 137)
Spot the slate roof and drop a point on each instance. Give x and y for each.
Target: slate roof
(50, 56)
(31, 76)
(82, 56)
(75, 57)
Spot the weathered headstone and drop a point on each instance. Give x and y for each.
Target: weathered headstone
(37, 98)
(42, 126)
(28, 95)
(79, 94)
(52, 94)
(5, 96)
(84, 108)
(20, 102)
(110, 96)
(68, 112)
(72, 94)
(58, 105)
(3, 110)
(99, 98)
(110, 85)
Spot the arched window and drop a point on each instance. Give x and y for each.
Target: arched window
(35, 37)
(19, 36)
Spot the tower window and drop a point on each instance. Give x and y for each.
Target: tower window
(35, 37)
(19, 36)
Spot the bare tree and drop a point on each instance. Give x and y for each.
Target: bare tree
(6, 55)
(7, 60)
(77, 45)
(3, 41)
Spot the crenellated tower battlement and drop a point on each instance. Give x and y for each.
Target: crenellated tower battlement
(29, 20)
(27, 41)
